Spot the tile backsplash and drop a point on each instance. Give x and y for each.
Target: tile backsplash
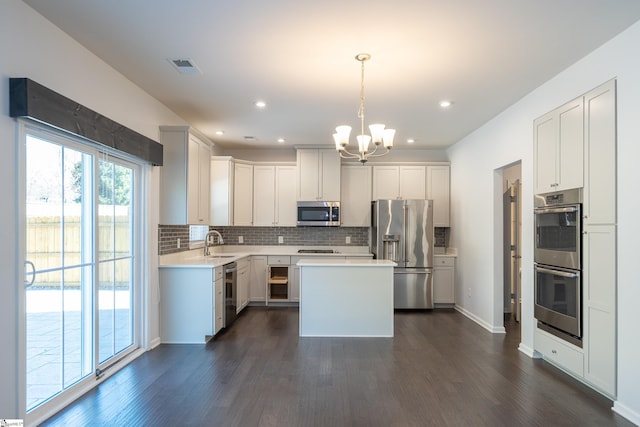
(266, 236)
(168, 236)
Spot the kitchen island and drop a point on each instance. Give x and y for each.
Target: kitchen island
(346, 298)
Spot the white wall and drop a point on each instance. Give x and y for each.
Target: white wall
(32, 47)
(508, 138)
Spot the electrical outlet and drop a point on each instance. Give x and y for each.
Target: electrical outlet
(348, 240)
(280, 239)
(178, 244)
(240, 239)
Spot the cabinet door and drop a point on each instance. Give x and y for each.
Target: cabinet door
(294, 283)
(570, 145)
(329, 175)
(193, 181)
(204, 184)
(264, 195)
(438, 191)
(219, 300)
(285, 194)
(243, 195)
(355, 199)
(600, 155)
(599, 301)
(221, 196)
(412, 181)
(544, 154)
(443, 291)
(258, 282)
(308, 174)
(386, 182)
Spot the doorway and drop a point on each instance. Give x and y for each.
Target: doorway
(512, 238)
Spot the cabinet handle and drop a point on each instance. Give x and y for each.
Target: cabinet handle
(554, 352)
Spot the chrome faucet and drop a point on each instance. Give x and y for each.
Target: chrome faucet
(207, 241)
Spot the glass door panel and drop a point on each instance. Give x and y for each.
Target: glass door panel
(115, 228)
(59, 243)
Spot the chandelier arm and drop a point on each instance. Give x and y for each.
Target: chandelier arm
(379, 154)
(346, 154)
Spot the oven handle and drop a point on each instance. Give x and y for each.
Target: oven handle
(556, 210)
(557, 272)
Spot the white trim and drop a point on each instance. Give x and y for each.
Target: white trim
(529, 351)
(626, 412)
(479, 321)
(143, 229)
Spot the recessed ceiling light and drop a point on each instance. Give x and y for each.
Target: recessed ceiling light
(446, 103)
(281, 140)
(261, 104)
(410, 141)
(219, 132)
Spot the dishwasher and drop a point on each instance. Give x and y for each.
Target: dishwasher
(230, 289)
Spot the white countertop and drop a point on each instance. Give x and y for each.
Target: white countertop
(345, 262)
(224, 254)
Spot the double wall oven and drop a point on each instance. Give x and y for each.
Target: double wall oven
(558, 263)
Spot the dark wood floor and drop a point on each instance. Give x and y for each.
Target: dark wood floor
(440, 369)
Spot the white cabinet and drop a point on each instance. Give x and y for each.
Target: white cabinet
(559, 352)
(558, 148)
(438, 190)
(399, 182)
(221, 205)
(318, 174)
(184, 178)
(599, 306)
(218, 312)
(243, 283)
(243, 194)
(355, 197)
(599, 239)
(258, 285)
(188, 304)
(274, 200)
(278, 278)
(443, 280)
(599, 205)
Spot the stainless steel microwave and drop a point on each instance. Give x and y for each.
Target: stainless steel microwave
(319, 214)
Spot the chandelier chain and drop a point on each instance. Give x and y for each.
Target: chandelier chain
(361, 110)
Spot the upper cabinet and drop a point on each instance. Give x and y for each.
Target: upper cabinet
(355, 200)
(558, 148)
(438, 191)
(399, 182)
(243, 194)
(274, 200)
(184, 178)
(318, 174)
(221, 207)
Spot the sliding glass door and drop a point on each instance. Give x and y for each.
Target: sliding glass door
(80, 286)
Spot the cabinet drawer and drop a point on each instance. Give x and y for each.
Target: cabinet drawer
(560, 352)
(444, 261)
(278, 260)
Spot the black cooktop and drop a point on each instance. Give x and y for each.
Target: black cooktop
(315, 251)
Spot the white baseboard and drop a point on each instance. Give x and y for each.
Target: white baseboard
(624, 411)
(154, 343)
(528, 351)
(491, 328)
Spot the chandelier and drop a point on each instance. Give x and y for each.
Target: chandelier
(379, 135)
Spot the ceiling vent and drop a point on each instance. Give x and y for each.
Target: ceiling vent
(185, 66)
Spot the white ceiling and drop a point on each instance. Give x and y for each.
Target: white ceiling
(298, 56)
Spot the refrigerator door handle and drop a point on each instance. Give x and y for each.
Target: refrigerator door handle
(405, 249)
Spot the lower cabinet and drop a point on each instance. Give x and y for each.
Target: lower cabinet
(218, 312)
(243, 279)
(278, 278)
(258, 283)
(189, 304)
(559, 352)
(443, 280)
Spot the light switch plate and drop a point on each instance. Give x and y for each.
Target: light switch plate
(280, 239)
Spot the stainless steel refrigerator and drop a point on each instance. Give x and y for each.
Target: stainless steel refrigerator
(402, 231)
